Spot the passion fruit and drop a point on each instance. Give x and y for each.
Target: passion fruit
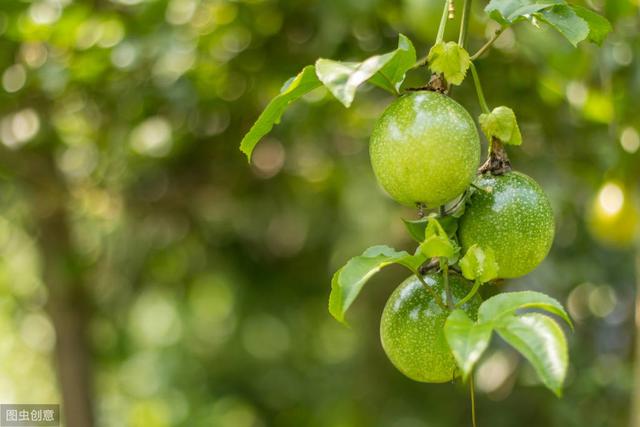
(424, 149)
(511, 215)
(411, 329)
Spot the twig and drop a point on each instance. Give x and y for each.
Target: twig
(433, 293)
(488, 44)
(464, 23)
(476, 82)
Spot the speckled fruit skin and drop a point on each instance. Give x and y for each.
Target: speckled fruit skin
(411, 328)
(514, 218)
(424, 149)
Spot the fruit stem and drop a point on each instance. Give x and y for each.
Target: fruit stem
(472, 395)
(443, 22)
(444, 264)
(498, 161)
(464, 23)
(488, 44)
(479, 91)
(433, 293)
(470, 295)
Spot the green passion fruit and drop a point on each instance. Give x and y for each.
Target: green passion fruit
(424, 149)
(511, 215)
(411, 328)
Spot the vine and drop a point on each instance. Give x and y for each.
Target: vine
(435, 325)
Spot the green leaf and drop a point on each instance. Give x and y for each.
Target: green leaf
(416, 228)
(502, 124)
(294, 88)
(564, 19)
(449, 59)
(574, 22)
(437, 242)
(392, 74)
(541, 341)
(348, 281)
(479, 264)
(599, 26)
(508, 303)
(434, 228)
(506, 12)
(386, 71)
(467, 340)
(449, 225)
(437, 246)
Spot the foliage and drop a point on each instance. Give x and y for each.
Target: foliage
(204, 281)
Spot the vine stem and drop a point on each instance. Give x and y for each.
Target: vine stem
(488, 44)
(479, 91)
(472, 396)
(444, 264)
(443, 22)
(464, 23)
(471, 293)
(435, 295)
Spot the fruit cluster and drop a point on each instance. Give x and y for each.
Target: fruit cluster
(425, 151)
(475, 225)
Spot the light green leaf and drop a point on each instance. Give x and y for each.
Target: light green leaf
(502, 124)
(348, 281)
(437, 246)
(564, 19)
(541, 341)
(509, 303)
(392, 74)
(386, 71)
(437, 242)
(467, 340)
(449, 59)
(303, 83)
(599, 26)
(479, 264)
(506, 12)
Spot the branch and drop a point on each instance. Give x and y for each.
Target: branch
(488, 44)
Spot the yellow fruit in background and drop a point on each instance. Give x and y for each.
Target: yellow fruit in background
(614, 215)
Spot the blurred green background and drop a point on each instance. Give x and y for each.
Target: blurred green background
(151, 274)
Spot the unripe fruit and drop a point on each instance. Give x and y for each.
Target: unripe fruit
(411, 328)
(424, 149)
(614, 217)
(512, 216)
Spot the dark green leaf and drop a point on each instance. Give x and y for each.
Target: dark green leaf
(509, 303)
(449, 225)
(564, 19)
(348, 281)
(599, 26)
(506, 12)
(386, 71)
(416, 228)
(467, 340)
(303, 83)
(451, 60)
(541, 341)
